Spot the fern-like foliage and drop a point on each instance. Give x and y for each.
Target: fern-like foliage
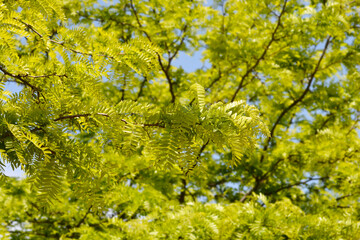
(63, 71)
(128, 143)
(186, 128)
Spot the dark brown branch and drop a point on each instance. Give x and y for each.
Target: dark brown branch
(141, 88)
(260, 180)
(83, 219)
(256, 186)
(123, 89)
(197, 158)
(60, 43)
(165, 70)
(330, 116)
(355, 123)
(45, 76)
(154, 125)
(123, 177)
(168, 78)
(137, 19)
(215, 79)
(273, 167)
(47, 235)
(346, 196)
(30, 27)
(295, 184)
(180, 44)
(72, 116)
(247, 73)
(79, 115)
(298, 100)
(191, 194)
(35, 206)
(36, 32)
(183, 191)
(216, 183)
(19, 77)
(161, 125)
(343, 206)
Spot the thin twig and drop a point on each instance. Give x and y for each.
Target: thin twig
(260, 180)
(197, 158)
(355, 123)
(79, 115)
(160, 125)
(346, 196)
(61, 43)
(83, 219)
(219, 76)
(45, 76)
(180, 44)
(295, 184)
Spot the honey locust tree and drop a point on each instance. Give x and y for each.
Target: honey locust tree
(120, 142)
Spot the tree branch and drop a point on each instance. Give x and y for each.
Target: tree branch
(216, 183)
(197, 158)
(180, 44)
(83, 219)
(298, 100)
(79, 115)
(260, 180)
(256, 186)
(20, 77)
(346, 196)
(262, 55)
(355, 123)
(183, 191)
(106, 115)
(161, 125)
(165, 70)
(138, 20)
(295, 184)
(215, 79)
(168, 78)
(141, 88)
(60, 43)
(45, 76)
(311, 79)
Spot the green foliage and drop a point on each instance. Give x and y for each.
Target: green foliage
(120, 142)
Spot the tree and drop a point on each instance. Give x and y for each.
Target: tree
(261, 142)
